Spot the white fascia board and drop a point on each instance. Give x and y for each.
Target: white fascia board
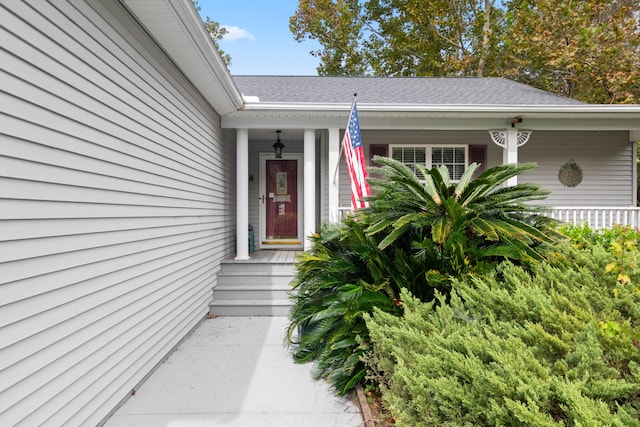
(607, 109)
(190, 48)
(289, 121)
(390, 116)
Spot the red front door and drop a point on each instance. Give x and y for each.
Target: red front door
(282, 201)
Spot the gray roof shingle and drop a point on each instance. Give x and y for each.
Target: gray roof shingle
(396, 90)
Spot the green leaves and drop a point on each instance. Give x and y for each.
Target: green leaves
(342, 277)
(216, 32)
(407, 38)
(517, 347)
(416, 235)
(588, 50)
(338, 27)
(472, 214)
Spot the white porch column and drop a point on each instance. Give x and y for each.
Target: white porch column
(334, 178)
(242, 194)
(634, 172)
(510, 140)
(510, 153)
(309, 226)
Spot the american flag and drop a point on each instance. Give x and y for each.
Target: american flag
(354, 154)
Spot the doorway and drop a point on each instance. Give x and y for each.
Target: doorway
(280, 201)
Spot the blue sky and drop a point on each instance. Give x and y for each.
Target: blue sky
(259, 40)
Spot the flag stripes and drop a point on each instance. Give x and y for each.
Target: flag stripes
(354, 154)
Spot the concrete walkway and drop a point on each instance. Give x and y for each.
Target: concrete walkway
(235, 372)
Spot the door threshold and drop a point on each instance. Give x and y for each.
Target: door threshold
(282, 242)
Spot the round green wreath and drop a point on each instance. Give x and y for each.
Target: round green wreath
(570, 174)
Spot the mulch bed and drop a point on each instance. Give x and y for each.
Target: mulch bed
(373, 412)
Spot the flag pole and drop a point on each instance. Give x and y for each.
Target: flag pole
(335, 173)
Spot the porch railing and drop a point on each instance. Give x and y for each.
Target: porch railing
(596, 217)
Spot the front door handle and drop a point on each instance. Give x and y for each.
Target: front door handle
(262, 198)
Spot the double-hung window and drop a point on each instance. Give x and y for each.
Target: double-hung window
(454, 157)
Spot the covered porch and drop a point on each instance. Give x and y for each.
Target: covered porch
(323, 188)
(489, 121)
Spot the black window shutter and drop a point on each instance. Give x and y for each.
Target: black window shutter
(478, 154)
(378, 150)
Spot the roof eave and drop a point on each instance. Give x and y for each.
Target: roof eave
(606, 109)
(412, 116)
(177, 28)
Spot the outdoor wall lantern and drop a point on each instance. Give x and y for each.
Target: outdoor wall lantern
(278, 146)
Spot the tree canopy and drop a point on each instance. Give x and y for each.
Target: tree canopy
(584, 49)
(216, 32)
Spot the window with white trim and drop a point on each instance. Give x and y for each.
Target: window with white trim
(454, 157)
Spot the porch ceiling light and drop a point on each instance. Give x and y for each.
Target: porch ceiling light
(278, 146)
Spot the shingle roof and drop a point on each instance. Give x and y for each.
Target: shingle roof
(396, 90)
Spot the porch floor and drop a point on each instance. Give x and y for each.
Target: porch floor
(268, 256)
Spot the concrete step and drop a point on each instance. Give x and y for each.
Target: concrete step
(266, 280)
(259, 287)
(253, 291)
(257, 268)
(243, 308)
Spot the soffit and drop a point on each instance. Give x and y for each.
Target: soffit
(575, 117)
(177, 28)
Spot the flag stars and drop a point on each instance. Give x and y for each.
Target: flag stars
(354, 130)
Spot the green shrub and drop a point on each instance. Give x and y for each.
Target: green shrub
(582, 235)
(516, 348)
(458, 227)
(417, 233)
(341, 277)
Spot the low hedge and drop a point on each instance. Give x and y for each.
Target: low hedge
(553, 346)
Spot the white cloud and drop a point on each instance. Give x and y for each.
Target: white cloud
(236, 33)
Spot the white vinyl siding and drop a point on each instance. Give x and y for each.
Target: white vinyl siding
(116, 207)
(605, 158)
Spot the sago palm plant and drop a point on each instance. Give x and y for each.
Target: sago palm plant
(455, 227)
(419, 231)
(339, 279)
